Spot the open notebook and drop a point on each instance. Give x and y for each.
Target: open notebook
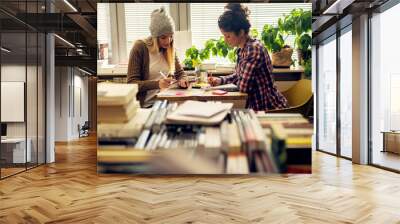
(197, 112)
(201, 109)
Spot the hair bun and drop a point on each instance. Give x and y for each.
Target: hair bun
(239, 8)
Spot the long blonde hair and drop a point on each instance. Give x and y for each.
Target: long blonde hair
(168, 54)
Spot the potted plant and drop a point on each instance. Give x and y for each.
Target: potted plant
(304, 48)
(275, 43)
(298, 23)
(192, 59)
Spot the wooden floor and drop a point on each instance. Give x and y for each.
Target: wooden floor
(10, 171)
(70, 191)
(386, 159)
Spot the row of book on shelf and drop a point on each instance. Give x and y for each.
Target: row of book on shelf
(196, 137)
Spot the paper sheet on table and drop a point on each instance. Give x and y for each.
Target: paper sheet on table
(172, 92)
(181, 119)
(181, 92)
(201, 109)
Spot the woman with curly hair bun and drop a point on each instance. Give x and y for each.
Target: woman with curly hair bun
(253, 71)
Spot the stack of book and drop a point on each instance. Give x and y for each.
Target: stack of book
(290, 136)
(202, 138)
(116, 103)
(120, 122)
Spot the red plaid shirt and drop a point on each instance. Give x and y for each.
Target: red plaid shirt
(253, 75)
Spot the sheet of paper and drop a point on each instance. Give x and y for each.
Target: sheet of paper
(173, 92)
(201, 109)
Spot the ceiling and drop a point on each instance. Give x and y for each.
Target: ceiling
(73, 20)
(329, 15)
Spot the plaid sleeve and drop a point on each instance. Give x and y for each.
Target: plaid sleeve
(247, 66)
(269, 63)
(229, 78)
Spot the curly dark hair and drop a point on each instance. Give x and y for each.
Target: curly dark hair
(235, 18)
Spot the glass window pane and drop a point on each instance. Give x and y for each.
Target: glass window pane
(346, 94)
(13, 86)
(327, 96)
(103, 32)
(385, 84)
(31, 98)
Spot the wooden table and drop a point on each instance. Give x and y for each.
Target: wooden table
(286, 74)
(391, 141)
(279, 74)
(180, 95)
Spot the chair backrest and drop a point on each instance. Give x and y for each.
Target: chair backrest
(86, 125)
(299, 94)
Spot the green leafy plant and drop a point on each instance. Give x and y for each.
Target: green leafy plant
(304, 42)
(223, 50)
(307, 68)
(298, 23)
(215, 47)
(192, 57)
(272, 38)
(254, 33)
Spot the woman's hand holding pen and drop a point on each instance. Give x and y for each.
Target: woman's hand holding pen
(214, 81)
(183, 83)
(165, 83)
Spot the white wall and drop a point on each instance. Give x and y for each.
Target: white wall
(12, 73)
(61, 103)
(70, 83)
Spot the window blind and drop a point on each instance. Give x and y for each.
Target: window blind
(137, 20)
(103, 21)
(204, 19)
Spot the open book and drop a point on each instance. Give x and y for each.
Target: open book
(197, 112)
(201, 109)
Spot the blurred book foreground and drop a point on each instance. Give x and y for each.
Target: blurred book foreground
(196, 137)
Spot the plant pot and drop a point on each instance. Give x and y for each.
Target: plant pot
(283, 58)
(188, 69)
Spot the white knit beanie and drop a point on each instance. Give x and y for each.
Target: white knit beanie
(161, 23)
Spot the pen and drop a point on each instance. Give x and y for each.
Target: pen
(166, 77)
(163, 75)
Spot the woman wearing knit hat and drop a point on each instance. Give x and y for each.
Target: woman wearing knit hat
(253, 71)
(155, 55)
